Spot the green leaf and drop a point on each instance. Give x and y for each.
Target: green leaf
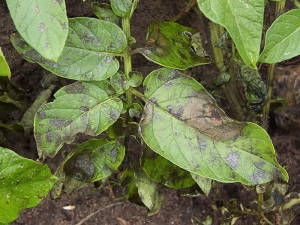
(42, 24)
(282, 38)
(183, 123)
(255, 88)
(81, 107)
(140, 189)
(18, 127)
(172, 45)
(163, 171)
(243, 21)
(23, 184)
(118, 82)
(91, 161)
(104, 12)
(4, 67)
(135, 80)
(89, 51)
(203, 182)
(135, 110)
(122, 7)
(118, 129)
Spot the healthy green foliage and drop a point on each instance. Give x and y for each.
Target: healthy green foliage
(4, 67)
(23, 184)
(243, 21)
(89, 51)
(282, 38)
(172, 45)
(42, 24)
(122, 8)
(81, 107)
(186, 126)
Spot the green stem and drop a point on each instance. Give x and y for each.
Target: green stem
(280, 8)
(296, 3)
(260, 200)
(127, 70)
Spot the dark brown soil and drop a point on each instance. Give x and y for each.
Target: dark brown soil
(176, 209)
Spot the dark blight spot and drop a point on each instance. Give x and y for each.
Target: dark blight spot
(74, 88)
(233, 160)
(84, 108)
(42, 27)
(57, 122)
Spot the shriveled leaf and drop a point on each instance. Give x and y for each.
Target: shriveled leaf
(135, 110)
(255, 88)
(282, 38)
(6, 98)
(118, 129)
(23, 184)
(172, 45)
(129, 187)
(4, 67)
(243, 21)
(222, 42)
(104, 12)
(2, 138)
(274, 197)
(28, 117)
(222, 78)
(122, 7)
(81, 107)
(89, 51)
(42, 24)
(163, 171)
(203, 182)
(183, 123)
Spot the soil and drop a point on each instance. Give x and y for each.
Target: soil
(176, 209)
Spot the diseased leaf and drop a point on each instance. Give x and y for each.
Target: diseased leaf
(42, 24)
(23, 184)
(81, 107)
(18, 127)
(118, 82)
(203, 182)
(91, 161)
(282, 38)
(136, 79)
(255, 88)
(135, 110)
(89, 51)
(141, 190)
(122, 7)
(183, 123)
(118, 129)
(4, 67)
(222, 78)
(172, 45)
(243, 21)
(163, 171)
(104, 12)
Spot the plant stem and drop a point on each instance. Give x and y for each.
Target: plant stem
(230, 90)
(127, 70)
(188, 7)
(260, 200)
(296, 3)
(280, 8)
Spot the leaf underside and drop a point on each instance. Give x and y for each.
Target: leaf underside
(89, 51)
(172, 45)
(23, 184)
(183, 123)
(282, 38)
(243, 20)
(42, 24)
(81, 107)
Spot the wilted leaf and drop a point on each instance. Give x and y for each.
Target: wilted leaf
(203, 182)
(243, 21)
(222, 78)
(117, 130)
(274, 197)
(28, 117)
(222, 42)
(18, 127)
(104, 12)
(282, 38)
(183, 123)
(81, 107)
(4, 67)
(23, 184)
(42, 24)
(89, 51)
(255, 88)
(172, 45)
(163, 171)
(140, 190)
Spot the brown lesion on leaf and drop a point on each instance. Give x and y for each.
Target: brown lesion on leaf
(84, 108)
(233, 159)
(41, 115)
(75, 88)
(49, 136)
(59, 123)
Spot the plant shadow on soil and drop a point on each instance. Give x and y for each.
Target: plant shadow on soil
(176, 209)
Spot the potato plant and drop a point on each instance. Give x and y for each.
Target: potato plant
(186, 139)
